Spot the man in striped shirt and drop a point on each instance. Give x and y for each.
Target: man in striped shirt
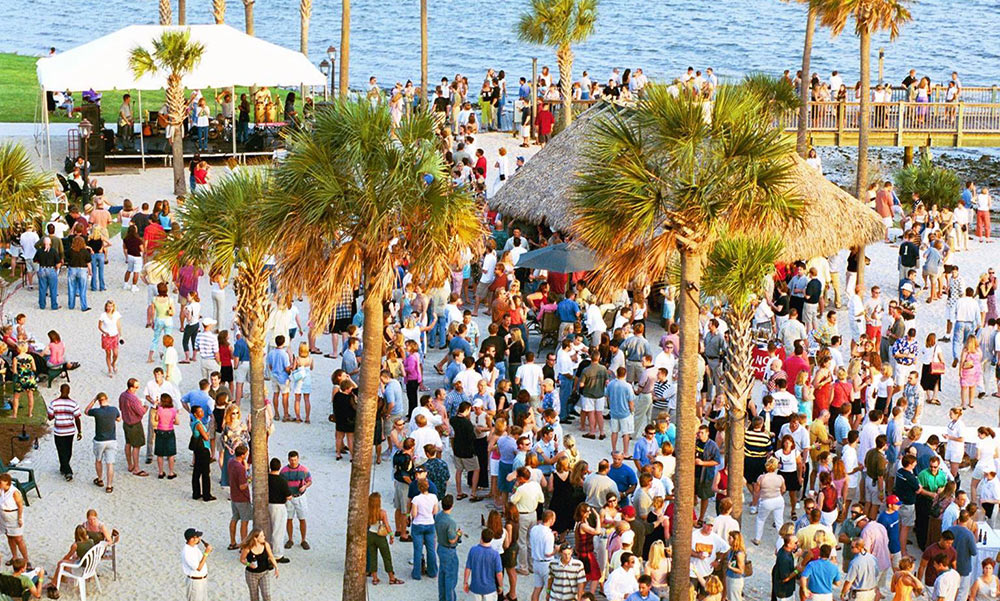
(65, 415)
(566, 576)
(299, 479)
(207, 342)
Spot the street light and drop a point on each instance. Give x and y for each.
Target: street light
(331, 53)
(324, 68)
(86, 128)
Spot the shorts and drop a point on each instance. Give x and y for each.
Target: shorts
(31, 266)
(109, 343)
(282, 387)
(133, 264)
(902, 373)
(243, 372)
(466, 464)
(482, 289)
(134, 435)
(296, 508)
(871, 491)
(400, 500)
(887, 221)
(10, 525)
(540, 573)
(954, 452)
(703, 489)
(105, 450)
(242, 512)
(625, 425)
(494, 466)
(340, 325)
(589, 404)
(907, 515)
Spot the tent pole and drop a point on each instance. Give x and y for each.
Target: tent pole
(232, 119)
(142, 138)
(45, 121)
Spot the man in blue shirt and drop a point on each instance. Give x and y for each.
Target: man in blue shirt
(889, 517)
(545, 449)
(645, 448)
(483, 568)
(621, 404)
(965, 549)
(199, 398)
(524, 91)
(277, 365)
(455, 366)
(623, 476)
(967, 194)
(820, 575)
(241, 363)
(568, 309)
(392, 392)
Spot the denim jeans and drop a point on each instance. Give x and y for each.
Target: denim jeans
(48, 282)
(97, 271)
(242, 131)
(565, 390)
(77, 281)
(423, 538)
(203, 138)
(439, 335)
(448, 576)
(161, 326)
(961, 333)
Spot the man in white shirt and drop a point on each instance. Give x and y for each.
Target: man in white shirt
(529, 377)
(594, 320)
(622, 581)
(948, 580)
(835, 82)
(542, 541)
(469, 377)
(423, 435)
(488, 275)
(705, 546)
(527, 497)
(966, 322)
(792, 330)
(154, 389)
(194, 564)
(27, 241)
(856, 307)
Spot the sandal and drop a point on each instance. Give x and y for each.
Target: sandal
(162, 475)
(461, 496)
(109, 489)
(395, 581)
(375, 580)
(141, 473)
(233, 547)
(171, 476)
(406, 539)
(98, 482)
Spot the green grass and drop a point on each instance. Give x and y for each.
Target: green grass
(20, 95)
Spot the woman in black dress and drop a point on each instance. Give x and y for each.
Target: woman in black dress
(345, 411)
(564, 497)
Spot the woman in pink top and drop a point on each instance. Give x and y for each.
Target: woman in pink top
(164, 420)
(413, 372)
(55, 352)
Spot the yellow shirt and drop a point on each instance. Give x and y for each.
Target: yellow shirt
(527, 497)
(818, 434)
(815, 536)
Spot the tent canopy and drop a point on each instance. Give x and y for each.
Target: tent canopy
(231, 58)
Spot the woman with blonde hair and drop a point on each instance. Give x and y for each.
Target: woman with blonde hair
(954, 450)
(736, 567)
(970, 364)
(769, 497)
(379, 538)
(302, 380)
(713, 589)
(24, 378)
(499, 430)
(658, 568)
(109, 324)
(171, 366)
(98, 243)
(256, 556)
(904, 584)
(234, 433)
(159, 318)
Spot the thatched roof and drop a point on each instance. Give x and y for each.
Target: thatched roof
(542, 190)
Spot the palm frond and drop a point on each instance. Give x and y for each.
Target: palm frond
(738, 265)
(868, 15)
(23, 187)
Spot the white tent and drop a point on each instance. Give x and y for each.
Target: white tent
(231, 58)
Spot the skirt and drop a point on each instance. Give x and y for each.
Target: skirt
(929, 381)
(226, 374)
(10, 526)
(792, 483)
(109, 343)
(166, 443)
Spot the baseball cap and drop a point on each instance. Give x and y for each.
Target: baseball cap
(208, 321)
(191, 533)
(419, 469)
(892, 500)
(628, 512)
(477, 403)
(908, 287)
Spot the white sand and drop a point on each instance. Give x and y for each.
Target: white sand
(151, 514)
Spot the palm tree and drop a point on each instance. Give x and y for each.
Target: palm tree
(345, 46)
(305, 13)
(219, 11)
(802, 135)
(560, 23)
(345, 190)
(176, 55)
(660, 181)
(736, 269)
(248, 15)
(869, 16)
(23, 188)
(220, 231)
(423, 55)
(182, 12)
(776, 93)
(165, 12)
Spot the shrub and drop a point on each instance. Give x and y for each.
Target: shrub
(935, 185)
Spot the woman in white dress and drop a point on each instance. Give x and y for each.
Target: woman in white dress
(955, 445)
(12, 510)
(986, 587)
(986, 457)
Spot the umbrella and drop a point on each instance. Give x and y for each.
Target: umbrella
(560, 258)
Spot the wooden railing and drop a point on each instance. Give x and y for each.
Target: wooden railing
(902, 117)
(938, 93)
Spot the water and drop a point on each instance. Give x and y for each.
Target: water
(467, 36)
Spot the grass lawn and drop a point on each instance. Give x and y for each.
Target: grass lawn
(20, 95)
(36, 426)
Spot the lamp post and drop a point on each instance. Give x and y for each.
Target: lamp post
(331, 53)
(86, 128)
(324, 68)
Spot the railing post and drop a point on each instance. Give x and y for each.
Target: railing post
(959, 125)
(899, 123)
(841, 114)
(993, 94)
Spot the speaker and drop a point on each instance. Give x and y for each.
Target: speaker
(96, 142)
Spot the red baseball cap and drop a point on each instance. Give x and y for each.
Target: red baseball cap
(892, 500)
(629, 512)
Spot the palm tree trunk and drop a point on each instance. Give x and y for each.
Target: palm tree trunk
(345, 55)
(739, 380)
(802, 135)
(861, 185)
(165, 12)
(182, 12)
(248, 15)
(424, 92)
(253, 310)
(564, 60)
(687, 423)
(219, 11)
(305, 13)
(175, 103)
(361, 454)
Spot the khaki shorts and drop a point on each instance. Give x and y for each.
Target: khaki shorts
(589, 404)
(242, 512)
(400, 500)
(625, 425)
(134, 435)
(482, 289)
(466, 464)
(907, 515)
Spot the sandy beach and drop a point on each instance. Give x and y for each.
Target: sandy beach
(151, 514)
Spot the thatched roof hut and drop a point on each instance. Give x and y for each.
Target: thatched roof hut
(542, 190)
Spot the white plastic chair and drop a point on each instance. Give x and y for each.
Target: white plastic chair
(84, 570)
(109, 552)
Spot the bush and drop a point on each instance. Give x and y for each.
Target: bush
(935, 185)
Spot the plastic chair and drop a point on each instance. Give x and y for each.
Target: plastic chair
(84, 570)
(110, 554)
(22, 485)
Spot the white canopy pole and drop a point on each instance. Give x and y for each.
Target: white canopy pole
(232, 118)
(142, 138)
(45, 121)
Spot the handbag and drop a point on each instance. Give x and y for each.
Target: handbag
(383, 530)
(937, 368)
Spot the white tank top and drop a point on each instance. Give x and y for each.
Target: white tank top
(787, 460)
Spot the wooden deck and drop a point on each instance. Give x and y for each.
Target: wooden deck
(954, 124)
